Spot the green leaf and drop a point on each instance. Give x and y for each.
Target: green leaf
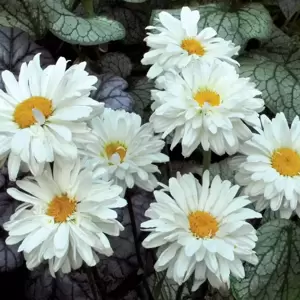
(69, 4)
(23, 14)
(270, 215)
(116, 63)
(277, 275)
(77, 30)
(224, 168)
(140, 91)
(275, 69)
(289, 7)
(133, 17)
(252, 21)
(168, 287)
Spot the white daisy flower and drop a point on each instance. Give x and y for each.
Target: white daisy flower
(42, 114)
(270, 169)
(125, 150)
(179, 43)
(201, 230)
(65, 218)
(203, 106)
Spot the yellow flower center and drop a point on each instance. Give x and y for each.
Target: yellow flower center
(23, 115)
(286, 162)
(203, 224)
(208, 96)
(116, 147)
(61, 207)
(192, 46)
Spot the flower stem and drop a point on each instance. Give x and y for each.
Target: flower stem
(136, 243)
(206, 159)
(179, 292)
(92, 282)
(88, 7)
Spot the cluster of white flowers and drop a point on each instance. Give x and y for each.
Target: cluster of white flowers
(68, 210)
(201, 230)
(97, 153)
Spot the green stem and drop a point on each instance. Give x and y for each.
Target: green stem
(179, 292)
(128, 196)
(159, 286)
(235, 5)
(206, 159)
(92, 282)
(88, 6)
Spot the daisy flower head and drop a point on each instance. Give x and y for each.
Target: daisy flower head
(43, 114)
(179, 43)
(206, 104)
(125, 150)
(269, 169)
(201, 230)
(65, 217)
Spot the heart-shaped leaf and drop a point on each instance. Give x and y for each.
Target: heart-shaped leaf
(77, 30)
(16, 48)
(7, 207)
(69, 3)
(116, 63)
(133, 17)
(10, 258)
(41, 285)
(165, 288)
(277, 275)
(225, 169)
(275, 69)
(23, 14)
(269, 215)
(289, 7)
(252, 21)
(140, 91)
(111, 91)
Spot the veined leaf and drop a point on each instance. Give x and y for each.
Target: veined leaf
(111, 90)
(277, 275)
(77, 30)
(16, 48)
(289, 7)
(116, 63)
(140, 91)
(23, 14)
(252, 21)
(276, 70)
(10, 258)
(132, 16)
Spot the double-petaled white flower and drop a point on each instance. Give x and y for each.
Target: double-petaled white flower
(125, 150)
(201, 230)
(179, 43)
(42, 114)
(65, 217)
(207, 104)
(270, 167)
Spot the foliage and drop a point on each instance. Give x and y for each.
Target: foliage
(274, 67)
(250, 22)
(109, 35)
(277, 274)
